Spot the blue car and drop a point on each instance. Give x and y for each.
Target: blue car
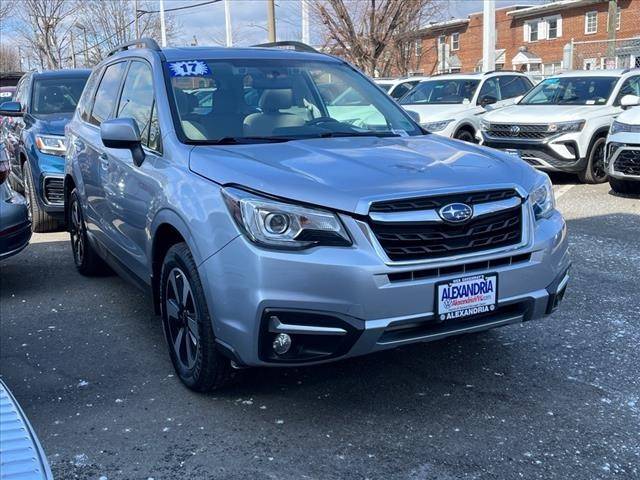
(43, 104)
(274, 228)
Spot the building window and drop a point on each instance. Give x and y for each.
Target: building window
(591, 22)
(532, 29)
(618, 19)
(442, 39)
(552, 28)
(418, 48)
(455, 41)
(551, 68)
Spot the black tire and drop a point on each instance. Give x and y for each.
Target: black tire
(595, 171)
(628, 187)
(86, 259)
(187, 324)
(465, 135)
(41, 221)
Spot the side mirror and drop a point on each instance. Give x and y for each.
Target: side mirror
(11, 109)
(487, 100)
(627, 101)
(415, 116)
(123, 133)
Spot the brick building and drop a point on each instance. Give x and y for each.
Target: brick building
(541, 38)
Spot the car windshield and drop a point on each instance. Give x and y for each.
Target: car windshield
(441, 92)
(57, 95)
(571, 91)
(259, 100)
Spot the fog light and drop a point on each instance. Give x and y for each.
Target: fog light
(282, 343)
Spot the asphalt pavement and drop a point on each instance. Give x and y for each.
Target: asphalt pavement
(553, 399)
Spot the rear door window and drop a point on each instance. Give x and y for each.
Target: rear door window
(107, 93)
(136, 100)
(511, 86)
(84, 106)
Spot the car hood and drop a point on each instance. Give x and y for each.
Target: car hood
(435, 113)
(52, 123)
(547, 113)
(346, 174)
(631, 116)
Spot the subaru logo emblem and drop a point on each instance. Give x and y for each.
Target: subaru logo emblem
(456, 212)
(514, 130)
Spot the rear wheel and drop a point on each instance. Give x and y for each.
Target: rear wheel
(595, 171)
(187, 324)
(625, 186)
(465, 135)
(85, 257)
(41, 221)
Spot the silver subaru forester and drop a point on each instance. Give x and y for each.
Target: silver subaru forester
(282, 210)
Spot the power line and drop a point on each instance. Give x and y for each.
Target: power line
(185, 7)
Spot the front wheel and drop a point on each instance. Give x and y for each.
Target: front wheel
(595, 171)
(85, 257)
(465, 136)
(187, 324)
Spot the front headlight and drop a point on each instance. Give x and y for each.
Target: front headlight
(566, 127)
(542, 199)
(278, 224)
(437, 126)
(51, 144)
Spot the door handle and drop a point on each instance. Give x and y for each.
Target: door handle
(104, 161)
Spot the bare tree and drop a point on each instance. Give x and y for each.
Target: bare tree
(375, 35)
(9, 58)
(109, 23)
(44, 28)
(6, 9)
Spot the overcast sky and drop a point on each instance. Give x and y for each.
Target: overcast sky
(249, 19)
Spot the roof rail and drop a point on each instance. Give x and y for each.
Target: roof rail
(146, 42)
(505, 71)
(297, 46)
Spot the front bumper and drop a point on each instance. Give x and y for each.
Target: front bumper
(379, 306)
(623, 161)
(559, 153)
(15, 226)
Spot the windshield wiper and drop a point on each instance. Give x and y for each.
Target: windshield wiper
(242, 140)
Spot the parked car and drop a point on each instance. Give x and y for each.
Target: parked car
(562, 123)
(276, 238)
(15, 224)
(22, 454)
(398, 87)
(623, 148)
(453, 105)
(43, 104)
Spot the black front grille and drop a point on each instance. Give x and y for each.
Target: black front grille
(405, 242)
(534, 132)
(628, 162)
(431, 203)
(54, 190)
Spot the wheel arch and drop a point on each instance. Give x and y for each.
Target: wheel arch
(167, 229)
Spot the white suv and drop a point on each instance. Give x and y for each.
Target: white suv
(398, 87)
(452, 105)
(562, 123)
(623, 149)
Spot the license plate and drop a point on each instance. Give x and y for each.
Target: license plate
(467, 296)
(513, 151)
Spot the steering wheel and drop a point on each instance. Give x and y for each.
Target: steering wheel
(319, 120)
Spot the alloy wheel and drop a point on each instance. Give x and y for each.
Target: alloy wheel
(598, 168)
(77, 233)
(182, 318)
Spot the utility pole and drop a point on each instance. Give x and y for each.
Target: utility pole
(136, 23)
(227, 22)
(271, 20)
(73, 51)
(611, 32)
(163, 29)
(306, 37)
(489, 36)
